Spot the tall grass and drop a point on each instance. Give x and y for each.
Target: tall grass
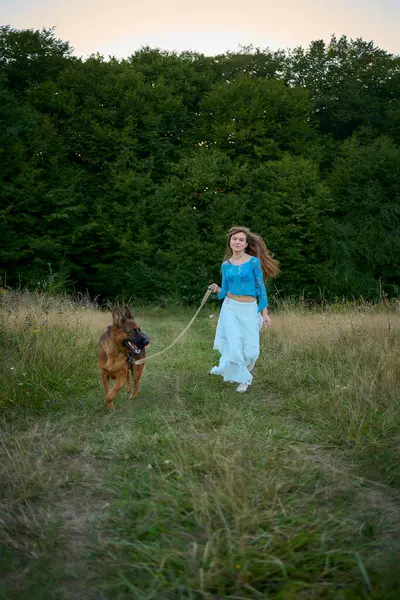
(194, 491)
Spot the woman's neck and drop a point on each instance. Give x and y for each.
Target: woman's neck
(237, 255)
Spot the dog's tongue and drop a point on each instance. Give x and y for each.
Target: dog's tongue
(132, 347)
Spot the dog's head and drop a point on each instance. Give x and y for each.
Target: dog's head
(127, 332)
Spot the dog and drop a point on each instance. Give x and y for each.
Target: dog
(119, 346)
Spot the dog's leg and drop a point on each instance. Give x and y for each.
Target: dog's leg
(106, 382)
(119, 382)
(136, 378)
(127, 382)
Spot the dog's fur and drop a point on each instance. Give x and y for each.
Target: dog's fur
(122, 342)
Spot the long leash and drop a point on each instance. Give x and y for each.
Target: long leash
(143, 360)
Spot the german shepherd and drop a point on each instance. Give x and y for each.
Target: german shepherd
(119, 346)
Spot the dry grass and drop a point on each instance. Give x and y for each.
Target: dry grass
(195, 491)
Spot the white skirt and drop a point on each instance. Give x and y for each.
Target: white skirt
(238, 340)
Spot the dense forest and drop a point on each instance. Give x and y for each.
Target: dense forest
(121, 177)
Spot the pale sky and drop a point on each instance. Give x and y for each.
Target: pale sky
(119, 27)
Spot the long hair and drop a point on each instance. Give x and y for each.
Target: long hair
(255, 247)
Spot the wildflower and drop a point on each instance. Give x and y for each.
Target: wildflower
(36, 331)
(12, 368)
(238, 567)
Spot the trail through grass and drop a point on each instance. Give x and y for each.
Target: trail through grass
(192, 490)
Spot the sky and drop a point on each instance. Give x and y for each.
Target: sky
(119, 27)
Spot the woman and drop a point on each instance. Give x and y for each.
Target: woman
(246, 267)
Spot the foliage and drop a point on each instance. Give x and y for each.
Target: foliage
(121, 177)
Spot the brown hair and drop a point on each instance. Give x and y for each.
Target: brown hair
(255, 247)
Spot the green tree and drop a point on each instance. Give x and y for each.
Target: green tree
(29, 57)
(256, 119)
(365, 242)
(351, 82)
(287, 203)
(122, 177)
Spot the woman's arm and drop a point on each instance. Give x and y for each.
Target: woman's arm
(221, 291)
(266, 318)
(262, 293)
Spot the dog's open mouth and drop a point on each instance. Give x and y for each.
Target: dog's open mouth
(132, 347)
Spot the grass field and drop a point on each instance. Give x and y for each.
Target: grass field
(192, 490)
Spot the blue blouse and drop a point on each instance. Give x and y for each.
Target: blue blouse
(244, 280)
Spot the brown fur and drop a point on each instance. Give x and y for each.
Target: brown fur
(113, 355)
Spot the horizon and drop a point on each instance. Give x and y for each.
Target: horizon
(121, 28)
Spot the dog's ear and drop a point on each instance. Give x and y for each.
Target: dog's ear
(117, 315)
(127, 313)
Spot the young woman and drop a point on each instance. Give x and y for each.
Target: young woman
(246, 267)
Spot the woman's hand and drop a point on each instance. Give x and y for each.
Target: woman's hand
(267, 321)
(214, 288)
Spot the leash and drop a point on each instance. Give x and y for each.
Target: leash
(143, 360)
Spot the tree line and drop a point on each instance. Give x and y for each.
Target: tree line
(121, 177)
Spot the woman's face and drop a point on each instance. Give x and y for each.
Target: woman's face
(238, 242)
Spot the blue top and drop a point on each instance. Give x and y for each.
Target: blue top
(244, 280)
